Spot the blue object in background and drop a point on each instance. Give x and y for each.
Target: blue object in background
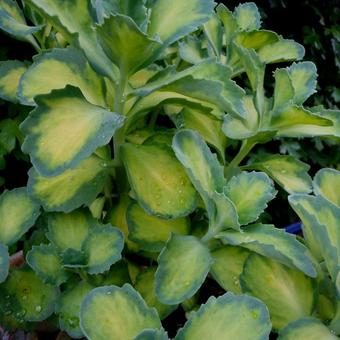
(294, 228)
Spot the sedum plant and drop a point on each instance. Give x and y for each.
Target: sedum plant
(134, 200)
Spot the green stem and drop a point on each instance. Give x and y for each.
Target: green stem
(119, 137)
(246, 147)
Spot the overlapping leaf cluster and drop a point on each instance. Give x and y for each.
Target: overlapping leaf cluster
(124, 217)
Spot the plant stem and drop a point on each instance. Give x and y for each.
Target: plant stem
(246, 147)
(119, 136)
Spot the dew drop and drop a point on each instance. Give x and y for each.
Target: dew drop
(38, 308)
(109, 293)
(24, 297)
(7, 297)
(8, 312)
(254, 314)
(104, 165)
(283, 171)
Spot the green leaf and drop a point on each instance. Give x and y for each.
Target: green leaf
(284, 90)
(207, 83)
(320, 220)
(103, 247)
(152, 334)
(161, 188)
(56, 68)
(27, 297)
(247, 16)
(306, 328)
(245, 127)
(326, 183)
(75, 21)
(44, 260)
(18, 213)
(214, 33)
(150, 232)
(10, 73)
(69, 231)
(13, 22)
(191, 50)
(303, 76)
(65, 129)
(288, 294)
(68, 308)
(282, 50)
(250, 192)
(202, 166)
(72, 188)
(101, 314)
(145, 285)
(273, 243)
(182, 268)
(256, 39)
(228, 317)
(172, 21)
(130, 8)
(229, 21)
(228, 266)
(126, 45)
(4, 262)
(296, 121)
(290, 173)
(206, 125)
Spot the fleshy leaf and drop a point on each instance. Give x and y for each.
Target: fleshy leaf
(237, 128)
(288, 294)
(102, 247)
(250, 192)
(13, 22)
(247, 16)
(65, 129)
(11, 72)
(290, 173)
(200, 163)
(229, 21)
(145, 285)
(18, 213)
(68, 231)
(152, 334)
(320, 220)
(56, 68)
(72, 188)
(283, 90)
(214, 32)
(282, 50)
(182, 267)
(206, 125)
(150, 232)
(228, 266)
(4, 262)
(27, 297)
(303, 76)
(222, 214)
(75, 21)
(306, 328)
(191, 51)
(273, 243)
(161, 188)
(101, 314)
(327, 184)
(46, 263)
(68, 308)
(296, 121)
(256, 39)
(131, 8)
(126, 45)
(172, 21)
(228, 317)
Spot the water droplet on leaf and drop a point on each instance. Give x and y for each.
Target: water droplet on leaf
(38, 308)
